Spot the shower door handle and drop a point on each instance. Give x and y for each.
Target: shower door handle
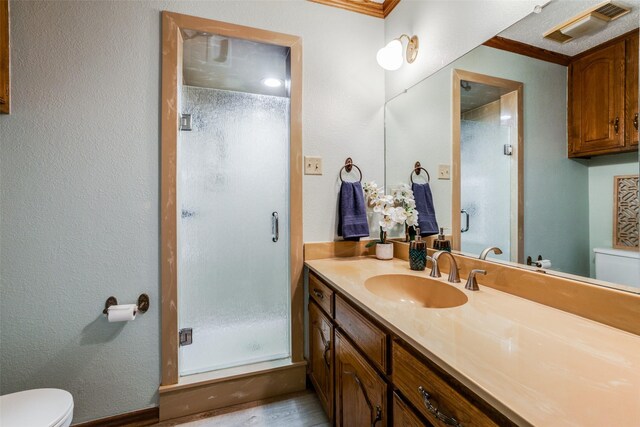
(275, 227)
(466, 215)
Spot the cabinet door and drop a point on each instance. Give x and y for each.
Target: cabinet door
(361, 395)
(631, 97)
(321, 356)
(403, 416)
(596, 119)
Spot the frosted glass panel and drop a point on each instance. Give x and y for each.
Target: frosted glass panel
(233, 280)
(486, 186)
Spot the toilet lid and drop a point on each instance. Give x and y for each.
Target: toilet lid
(43, 407)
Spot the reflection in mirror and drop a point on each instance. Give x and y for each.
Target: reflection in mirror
(557, 203)
(486, 136)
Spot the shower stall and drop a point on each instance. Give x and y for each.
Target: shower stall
(231, 215)
(233, 167)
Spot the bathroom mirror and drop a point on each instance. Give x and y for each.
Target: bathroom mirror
(503, 160)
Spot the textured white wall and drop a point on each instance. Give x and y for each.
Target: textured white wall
(447, 29)
(79, 196)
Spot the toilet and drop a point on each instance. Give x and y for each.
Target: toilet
(43, 407)
(618, 266)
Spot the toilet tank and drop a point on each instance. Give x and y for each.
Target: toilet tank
(618, 266)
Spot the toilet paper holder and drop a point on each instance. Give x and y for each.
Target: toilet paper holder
(143, 303)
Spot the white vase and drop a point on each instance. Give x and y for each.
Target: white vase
(384, 250)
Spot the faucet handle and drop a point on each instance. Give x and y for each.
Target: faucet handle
(472, 283)
(435, 271)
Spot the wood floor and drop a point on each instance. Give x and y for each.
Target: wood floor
(295, 410)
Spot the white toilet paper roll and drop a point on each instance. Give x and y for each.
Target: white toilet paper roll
(544, 263)
(122, 313)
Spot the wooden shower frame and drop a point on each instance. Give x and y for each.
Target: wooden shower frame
(180, 397)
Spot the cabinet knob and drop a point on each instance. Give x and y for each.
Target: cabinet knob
(616, 124)
(635, 121)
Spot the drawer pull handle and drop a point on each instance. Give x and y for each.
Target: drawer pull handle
(635, 121)
(450, 421)
(377, 416)
(317, 292)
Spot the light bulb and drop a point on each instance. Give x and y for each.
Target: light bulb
(390, 56)
(272, 82)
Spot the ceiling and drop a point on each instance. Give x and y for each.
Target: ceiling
(218, 62)
(530, 29)
(478, 95)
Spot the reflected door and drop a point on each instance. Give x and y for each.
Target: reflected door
(485, 187)
(233, 273)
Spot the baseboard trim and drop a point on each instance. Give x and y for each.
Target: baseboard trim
(140, 418)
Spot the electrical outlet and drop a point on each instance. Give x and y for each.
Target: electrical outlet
(444, 172)
(312, 165)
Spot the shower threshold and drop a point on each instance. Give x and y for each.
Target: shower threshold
(233, 372)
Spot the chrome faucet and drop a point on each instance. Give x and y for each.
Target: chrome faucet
(435, 271)
(454, 275)
(485, 252)
(472, 283)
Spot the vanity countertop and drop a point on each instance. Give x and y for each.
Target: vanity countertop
(536, 364)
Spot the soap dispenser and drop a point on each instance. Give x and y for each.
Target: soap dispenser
(418, 253)
(442, 244)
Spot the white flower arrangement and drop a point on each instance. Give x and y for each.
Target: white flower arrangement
(399, 207)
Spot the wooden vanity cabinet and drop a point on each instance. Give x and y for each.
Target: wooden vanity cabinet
(361, 394)
(364, 376)
(321, 364)
(603, 99)
(403, 416)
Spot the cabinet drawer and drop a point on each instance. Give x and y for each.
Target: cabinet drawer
(403, 416)
(433, 397)
(368, 337)
(321, 293)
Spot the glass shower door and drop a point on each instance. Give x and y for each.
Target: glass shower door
(485, 187)
(233, 277)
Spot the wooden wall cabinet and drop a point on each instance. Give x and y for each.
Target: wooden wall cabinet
(371, 378)
(5, 106)
(603, 100)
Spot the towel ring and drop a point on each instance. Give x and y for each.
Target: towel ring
(416, 169)
(348, 165)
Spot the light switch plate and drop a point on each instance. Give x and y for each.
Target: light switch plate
(312, 165)
(444, 172)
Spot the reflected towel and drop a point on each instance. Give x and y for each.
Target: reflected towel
(352, 212)
(426, 212)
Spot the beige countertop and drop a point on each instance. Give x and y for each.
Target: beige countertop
(536, 364)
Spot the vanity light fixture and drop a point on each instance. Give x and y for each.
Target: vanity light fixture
(391, 58)
(272, 82)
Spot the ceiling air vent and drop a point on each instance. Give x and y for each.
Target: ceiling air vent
(587, 22)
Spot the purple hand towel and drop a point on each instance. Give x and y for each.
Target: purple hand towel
(352, 212)
(426, 212)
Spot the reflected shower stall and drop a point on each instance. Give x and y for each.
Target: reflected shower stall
(490, 170)
(231, 215)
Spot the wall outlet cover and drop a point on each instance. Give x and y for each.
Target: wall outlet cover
(312, 165)
(444, 172)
